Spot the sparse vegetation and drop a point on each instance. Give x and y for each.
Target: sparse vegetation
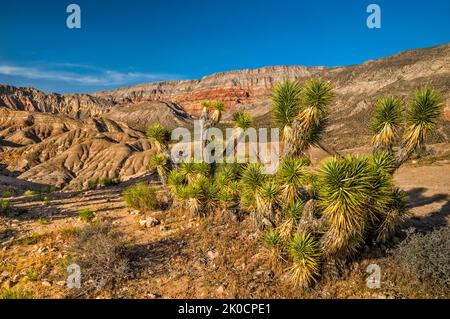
(43, 221)
(32, 239)
(100, 183)
(15, 294)
(320, 218)
(5, 206)
(86, 215)
(426, 257)
(98, 250)
(30, 192)
(141, 196)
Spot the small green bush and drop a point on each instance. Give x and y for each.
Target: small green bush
(15, 294)
(33, 239)
(46, 200)
(141, 196)
(5, 207)
(86, 214)
(8, 193)
(31, 192)
(427, 256)
(102, 182)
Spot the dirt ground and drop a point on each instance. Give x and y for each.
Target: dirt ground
(184, 257)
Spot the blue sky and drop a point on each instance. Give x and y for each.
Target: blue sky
(128, 42)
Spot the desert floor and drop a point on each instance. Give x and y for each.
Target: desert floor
(184, 257)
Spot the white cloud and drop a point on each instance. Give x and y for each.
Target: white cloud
(96, 77)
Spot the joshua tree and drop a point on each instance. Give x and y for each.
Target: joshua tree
(422, 115)
(304, 251)
(274, 246)
(301, 113)
(315, 218)
(424, 111)
(218, 108)
(291, 176)
(158, 135)
(285, 106)
(386, 121)
(159, 162)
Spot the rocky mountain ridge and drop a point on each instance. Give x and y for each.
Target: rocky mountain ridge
(68, 139)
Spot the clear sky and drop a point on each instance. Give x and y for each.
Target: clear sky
(124, 42)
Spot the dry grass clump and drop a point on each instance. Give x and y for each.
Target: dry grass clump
(99, 252)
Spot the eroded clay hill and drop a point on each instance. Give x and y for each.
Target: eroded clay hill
(57, 150)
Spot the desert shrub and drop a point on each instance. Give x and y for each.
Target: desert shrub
(427, 256)
(33, 239)
(86, 214)
(101, 182)
(104, 182)
(8, 193)
(43, 221)
(15, 294)
(31, 192)
(5, 207)
(69, 232)
(141, 196)
(50, 189)
(46, 200)
(99, 252)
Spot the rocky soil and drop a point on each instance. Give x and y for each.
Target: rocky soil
(182, 257)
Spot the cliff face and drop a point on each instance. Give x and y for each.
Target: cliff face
(32, 100)
(397, 74)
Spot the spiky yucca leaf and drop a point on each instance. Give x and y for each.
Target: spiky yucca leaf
(206, 105)
(218, 107)
(384, 162)
(394, 216)
(192, 170)
(423, 114)
(160, 164)
(253, 176)
(228, 194)
(285, 106)
(267, 196)
(300, 140)
(291, 175)
(187, 169)
(194, 196)
(304, 251)
(273, 243)
(175, 179)
(346, 186)
(159, 135)
(227, 172)
(291, 215)
(316, 95)
(385, 121)
(243, 120)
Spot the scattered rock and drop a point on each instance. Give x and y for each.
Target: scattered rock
(220, 290)
(45, 283)
(212, 255)
(149, 222)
